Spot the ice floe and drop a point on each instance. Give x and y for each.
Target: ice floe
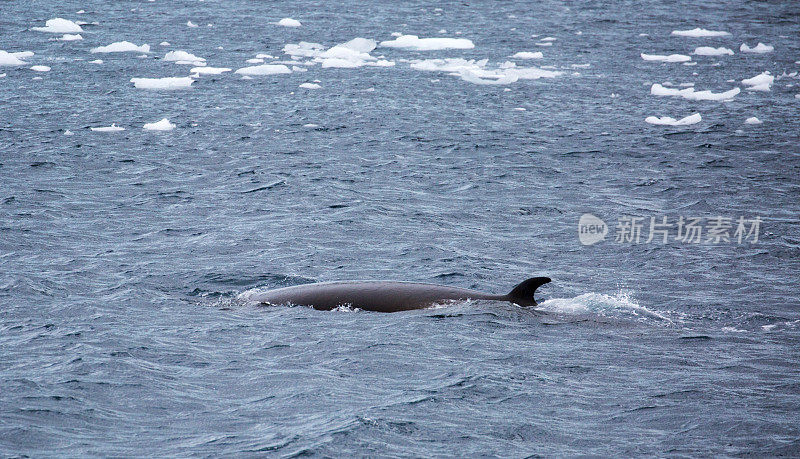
(167, 83)
(670, 58)
(191, 24)
(10, 59)
(59, 25)
(691, 94)
(289, 22)
(121, 47)
(163, 125)
(96, 61)
(711, 51)
(753, 120)
(164, 43)
(760, 48)
(477, 72)
(668, 121)
(70, 37)
(265, 69)
(761, 82)
(351, 54)
(40, 68)
(209, 70)
(698, 32)
(528, 55)
(112, 128)
(183, 57)
(310, 86)
(413, 42)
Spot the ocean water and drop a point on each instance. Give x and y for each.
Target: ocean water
(123, 254)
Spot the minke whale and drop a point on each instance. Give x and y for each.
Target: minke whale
(388, 296)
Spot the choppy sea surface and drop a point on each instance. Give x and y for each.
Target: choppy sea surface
(123, 254)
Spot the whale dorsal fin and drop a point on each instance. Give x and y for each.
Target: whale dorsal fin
(522, 294)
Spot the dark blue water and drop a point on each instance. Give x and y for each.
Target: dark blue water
(122, 254)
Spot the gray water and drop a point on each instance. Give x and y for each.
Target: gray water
(123, 255)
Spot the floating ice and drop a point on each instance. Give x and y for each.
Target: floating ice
(691, 94)
(209, 70)
(71, 37)
(711, 51)
(164, 43)
(289, 22)
(2, 75)
(351, 54)
(544, 43)
(760, 48)
(112, 128)
(40, 68)
(191, 24)
(182, 56)
(122, 47)
(476, 72)
(753, 120)
(761, 82)
(670, 58)
(265, 69)
(667, 121)
(255, 61)
(264, 56)
(10, 59)
(303, 49)
(548, 39)
(167, 83)
(163, 125)
(59, 25)
(475, 78)
(96, 61)
(68, 132)
(310, 86)
(698, 32)
(413, 42)
(528, 55)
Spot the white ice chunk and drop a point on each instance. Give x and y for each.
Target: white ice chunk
(167, 83)
(413, 42)
(303, 49)
(122, 47)
(711, 51)
(528, 55)
(667, 121)
(761, 82)
(760, 48)
(59, 25)
(209, 70)
(112, 128)
(670, 58)
(40, 68)
(96, 61)
(191, 24)
(177, 56)
(289, 22)
(691, 94)
(265, 69)
(164, 43)
(310, 86)
(753, 120)
(71, 37)
(163, 125)
(698, 32)
(10, 59)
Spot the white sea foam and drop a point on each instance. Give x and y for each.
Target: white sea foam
(668, 121)
(265, 69)
(698, 32)
(691, 94)
(528, 55)
(162, 125)
(166, 83)
(121, 47)
(620, 305)
(289, 22)
(413, 42)
(711, 51)
(760, 48)
(59, 25)
(670, 58)
(112, 128)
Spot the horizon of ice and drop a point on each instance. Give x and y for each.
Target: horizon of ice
(760, 48)
(182, 56)
(289, 22)
(753, 120)
(10, 59)
(691, 94)
(70, 37)
(112, 128)
(711, 51)
(698, 32)
(662, 58)
(413, 42)
(760, 82)
(669, 121)
(166, 83)
(528, 55)
(121, 47)
(162, 125)
(209, 70)
(265, 69)
(59, 25)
